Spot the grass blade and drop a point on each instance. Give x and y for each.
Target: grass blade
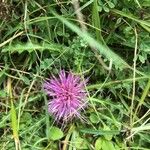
(144, 24)
(105, 51)
(96, 21)
(13, 116)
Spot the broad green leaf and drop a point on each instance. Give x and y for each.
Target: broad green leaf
(55, 133)
(107, 145)
(98, 144)
(80, 143)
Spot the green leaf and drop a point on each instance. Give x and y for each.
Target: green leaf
(106, 9)
(102, 144)
(145, 3)
(94, 118)
(98, 144)
(107, 145)
(142, 59)
(80, 143)
(111, 5)
(107, 136)
(30, 47)
(46, 63)
(55, 133)
(3, 93)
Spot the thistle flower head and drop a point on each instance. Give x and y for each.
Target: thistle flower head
(68, 96)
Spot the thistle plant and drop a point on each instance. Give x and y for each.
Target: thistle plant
(67, 96)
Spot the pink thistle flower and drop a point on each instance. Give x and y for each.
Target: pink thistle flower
(68, 96)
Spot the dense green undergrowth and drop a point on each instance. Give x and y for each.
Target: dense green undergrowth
(110, 46)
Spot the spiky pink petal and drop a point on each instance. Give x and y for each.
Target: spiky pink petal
(68, 96)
